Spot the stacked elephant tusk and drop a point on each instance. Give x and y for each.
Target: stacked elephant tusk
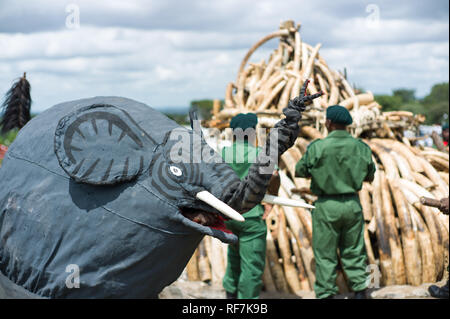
(266, 87)
(407, 241)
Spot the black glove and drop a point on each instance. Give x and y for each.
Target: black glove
(288, 128)
(298, 104)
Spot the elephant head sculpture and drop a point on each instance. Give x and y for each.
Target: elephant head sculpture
(104, 186)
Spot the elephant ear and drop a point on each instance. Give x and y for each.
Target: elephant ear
(102, 145)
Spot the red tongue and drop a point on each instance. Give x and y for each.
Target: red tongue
(220, 225)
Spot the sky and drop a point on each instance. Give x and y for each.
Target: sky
(167, 53)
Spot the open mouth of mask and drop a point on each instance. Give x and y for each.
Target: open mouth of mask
(204, 218)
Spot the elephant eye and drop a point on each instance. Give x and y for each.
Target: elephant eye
(175, 170)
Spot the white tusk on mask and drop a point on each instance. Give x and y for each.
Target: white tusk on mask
(213, 201)
(275, 200)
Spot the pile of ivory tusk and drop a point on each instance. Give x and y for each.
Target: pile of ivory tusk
(406, 241)
(265, 88)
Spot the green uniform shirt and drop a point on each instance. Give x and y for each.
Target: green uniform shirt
(240, 156)
(337, 164)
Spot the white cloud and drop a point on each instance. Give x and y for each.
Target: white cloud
(168, 53)
(385, 67)
(114, 61)
(360, 31)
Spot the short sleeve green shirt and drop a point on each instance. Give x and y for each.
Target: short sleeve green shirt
(337, 164)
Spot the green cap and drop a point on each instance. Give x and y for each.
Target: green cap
(244, 121)
(339, 115)
(445, 126)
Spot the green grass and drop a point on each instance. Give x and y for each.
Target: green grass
(8, 138)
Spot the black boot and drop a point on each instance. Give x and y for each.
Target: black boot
(361, 294)
(231, 295)
(439, 292)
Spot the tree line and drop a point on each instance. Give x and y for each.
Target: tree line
(435, 105)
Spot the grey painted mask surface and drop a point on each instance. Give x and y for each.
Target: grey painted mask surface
(92, 184)
(108, 202)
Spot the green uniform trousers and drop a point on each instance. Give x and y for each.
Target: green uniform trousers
(338, 224)
(246, 260)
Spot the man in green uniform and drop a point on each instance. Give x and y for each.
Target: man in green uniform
(338, 165)
(246, 260)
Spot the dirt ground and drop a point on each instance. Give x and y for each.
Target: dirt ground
(182, 289)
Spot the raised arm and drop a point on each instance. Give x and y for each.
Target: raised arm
(244, 195)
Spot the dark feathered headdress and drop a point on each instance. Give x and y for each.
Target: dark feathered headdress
(16, 107)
